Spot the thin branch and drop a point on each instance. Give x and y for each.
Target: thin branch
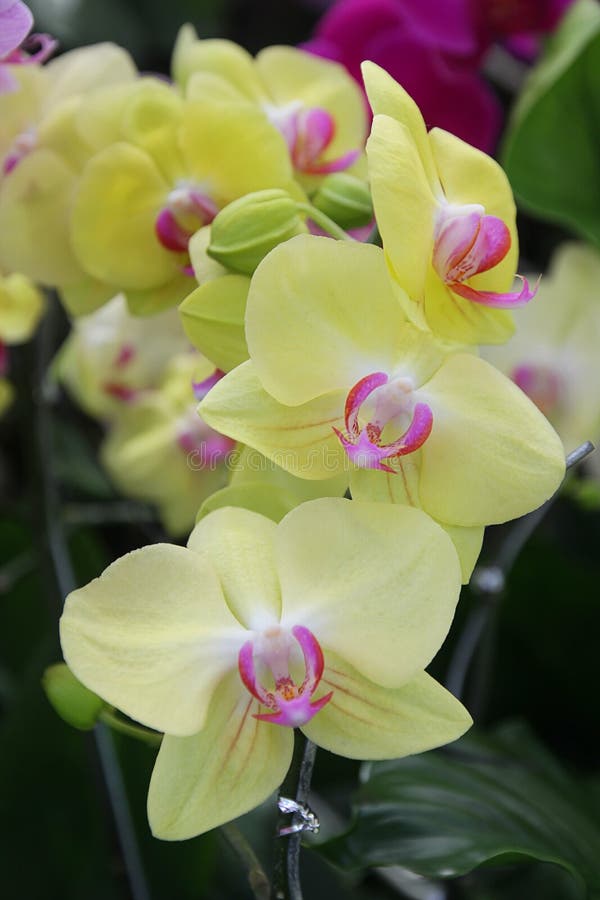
(257, 878)
(286, 872)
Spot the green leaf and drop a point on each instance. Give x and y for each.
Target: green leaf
(483, 799)
(73, 702)
(551, 148)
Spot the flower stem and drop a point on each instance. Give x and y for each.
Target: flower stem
(257, 878)
(324, 222)
(296, 786)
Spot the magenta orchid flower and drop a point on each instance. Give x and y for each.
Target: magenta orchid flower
(16, 22)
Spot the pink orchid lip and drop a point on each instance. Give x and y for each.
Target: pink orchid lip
(363, 445)
(201, 388)
(467, 243)
(117, 389)
(120, 391)
(125, 355)
(308, 132)
(542, 384)
(206, 447)
(290, 703)
(186, 203)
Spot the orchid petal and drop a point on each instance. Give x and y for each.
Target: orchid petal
(331, 296)
(234, 149)
(216, 57)
(401, 485)
(153, 636)
(120, 194)
(366, 721)
(231, 766)
(267, 499)
(360, 576)
(491, 456)
(34, 210)
(300, 439)
(251, 466)
(86, 68)
(16, 21)
(213, 319)
(239, 545)
(404, 203)
(388, 98)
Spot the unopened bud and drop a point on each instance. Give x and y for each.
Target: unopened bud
(246, 230)
(345, 199)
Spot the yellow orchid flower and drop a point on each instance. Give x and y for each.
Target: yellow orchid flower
(446, 215)
(160, 451)
(324, 622)
(41, 151)
(312, 102)
(553, 357)
(175, 164)
(112, 358)
(338, 380)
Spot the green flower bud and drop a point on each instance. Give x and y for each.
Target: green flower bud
(73, 702)
(345, 199)
(246, 230)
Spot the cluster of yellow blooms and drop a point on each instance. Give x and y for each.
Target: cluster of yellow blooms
(241, 193)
